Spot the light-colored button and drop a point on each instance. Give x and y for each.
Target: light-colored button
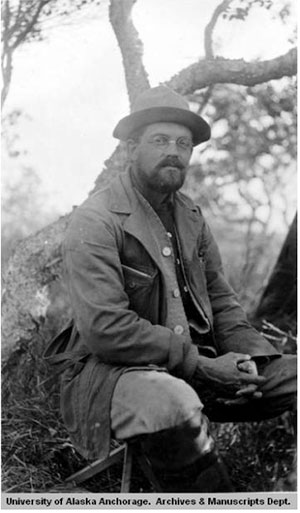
(176, 293)
(169, 235)
(177, 261)
(178, 329)
(185, 288)
(166, 251)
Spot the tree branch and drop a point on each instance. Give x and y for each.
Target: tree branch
(130, 45)
(208, 46)
(233, 71)
(209, 54)
(6, 56)
(31, 24)
(8, 46)
(6, 67)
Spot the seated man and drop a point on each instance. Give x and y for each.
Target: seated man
(159, 344)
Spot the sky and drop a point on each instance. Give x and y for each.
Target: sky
(71, 85)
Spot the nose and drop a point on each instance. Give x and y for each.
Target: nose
(172, 148)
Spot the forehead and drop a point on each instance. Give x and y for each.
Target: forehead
(170, 129)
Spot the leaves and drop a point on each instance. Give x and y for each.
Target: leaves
(240, 10)
(24, 21)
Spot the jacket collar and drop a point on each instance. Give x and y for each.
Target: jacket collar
(124, 200)
(127, 203)
(121, 203)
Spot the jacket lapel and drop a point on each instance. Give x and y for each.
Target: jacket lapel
(137, 223)
(188, 223)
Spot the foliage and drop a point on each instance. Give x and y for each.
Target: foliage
(257, 454)
(243, 178)
(34, 440)
(22, 194)
(23, 210)
(239, 9)
(251, 152)
(22, 22)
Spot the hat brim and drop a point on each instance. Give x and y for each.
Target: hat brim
(129, 124)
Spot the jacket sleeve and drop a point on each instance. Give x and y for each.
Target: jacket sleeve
(232, 330)
(110, 330)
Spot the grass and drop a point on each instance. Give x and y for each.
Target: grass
(37, 454)
(257, 454)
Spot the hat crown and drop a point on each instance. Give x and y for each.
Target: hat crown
(161, 105)
(157, 97)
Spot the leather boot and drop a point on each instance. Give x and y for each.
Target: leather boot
(207, 475)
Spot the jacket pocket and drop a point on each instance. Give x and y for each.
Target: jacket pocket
(59, 351)
(143, 292)
(135, 277)
(59, 343)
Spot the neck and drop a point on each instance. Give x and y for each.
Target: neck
(155, 198)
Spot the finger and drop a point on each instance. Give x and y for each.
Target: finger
(248, 366)
(232, 402)
(241, 357)
(252, 378)
(249, 390)
(257, 395)
(240, 400)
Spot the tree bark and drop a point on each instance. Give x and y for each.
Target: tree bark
(278, 303)
(220, 71)
(131, 47)
(34, 267)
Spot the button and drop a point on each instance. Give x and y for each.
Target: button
(177, 261)
(178, 329)
(185, 288)
(169, 235)
(176, 293)
(166, 251)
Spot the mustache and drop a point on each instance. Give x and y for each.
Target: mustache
(172, 161)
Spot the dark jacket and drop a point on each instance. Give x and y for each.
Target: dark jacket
(117, 288)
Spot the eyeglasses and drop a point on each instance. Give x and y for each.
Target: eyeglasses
(163, 141)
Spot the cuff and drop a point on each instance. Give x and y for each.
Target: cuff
(190, 362)
(183, 357)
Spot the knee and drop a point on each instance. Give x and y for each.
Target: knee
(148, 402)
(193, 425)
(182, 409)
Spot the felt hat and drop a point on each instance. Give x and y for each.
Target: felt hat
(161, 104)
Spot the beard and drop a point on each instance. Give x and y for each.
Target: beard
(168, 176)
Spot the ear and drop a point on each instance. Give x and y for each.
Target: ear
(131, 147)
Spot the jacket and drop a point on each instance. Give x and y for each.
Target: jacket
(114, 272)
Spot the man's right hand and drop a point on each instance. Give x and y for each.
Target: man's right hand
(223, 375)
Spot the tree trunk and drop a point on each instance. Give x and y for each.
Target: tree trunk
(278, 304)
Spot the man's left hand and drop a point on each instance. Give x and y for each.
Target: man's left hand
(248, 392)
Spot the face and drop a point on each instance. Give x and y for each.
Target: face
(161, 156)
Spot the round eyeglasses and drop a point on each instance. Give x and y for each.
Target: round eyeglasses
(163, 142)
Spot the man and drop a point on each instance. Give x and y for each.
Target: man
(159, 343)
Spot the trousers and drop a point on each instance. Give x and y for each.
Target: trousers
(174, 417)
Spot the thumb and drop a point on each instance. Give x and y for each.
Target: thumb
(248, 366)
(240, 357)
